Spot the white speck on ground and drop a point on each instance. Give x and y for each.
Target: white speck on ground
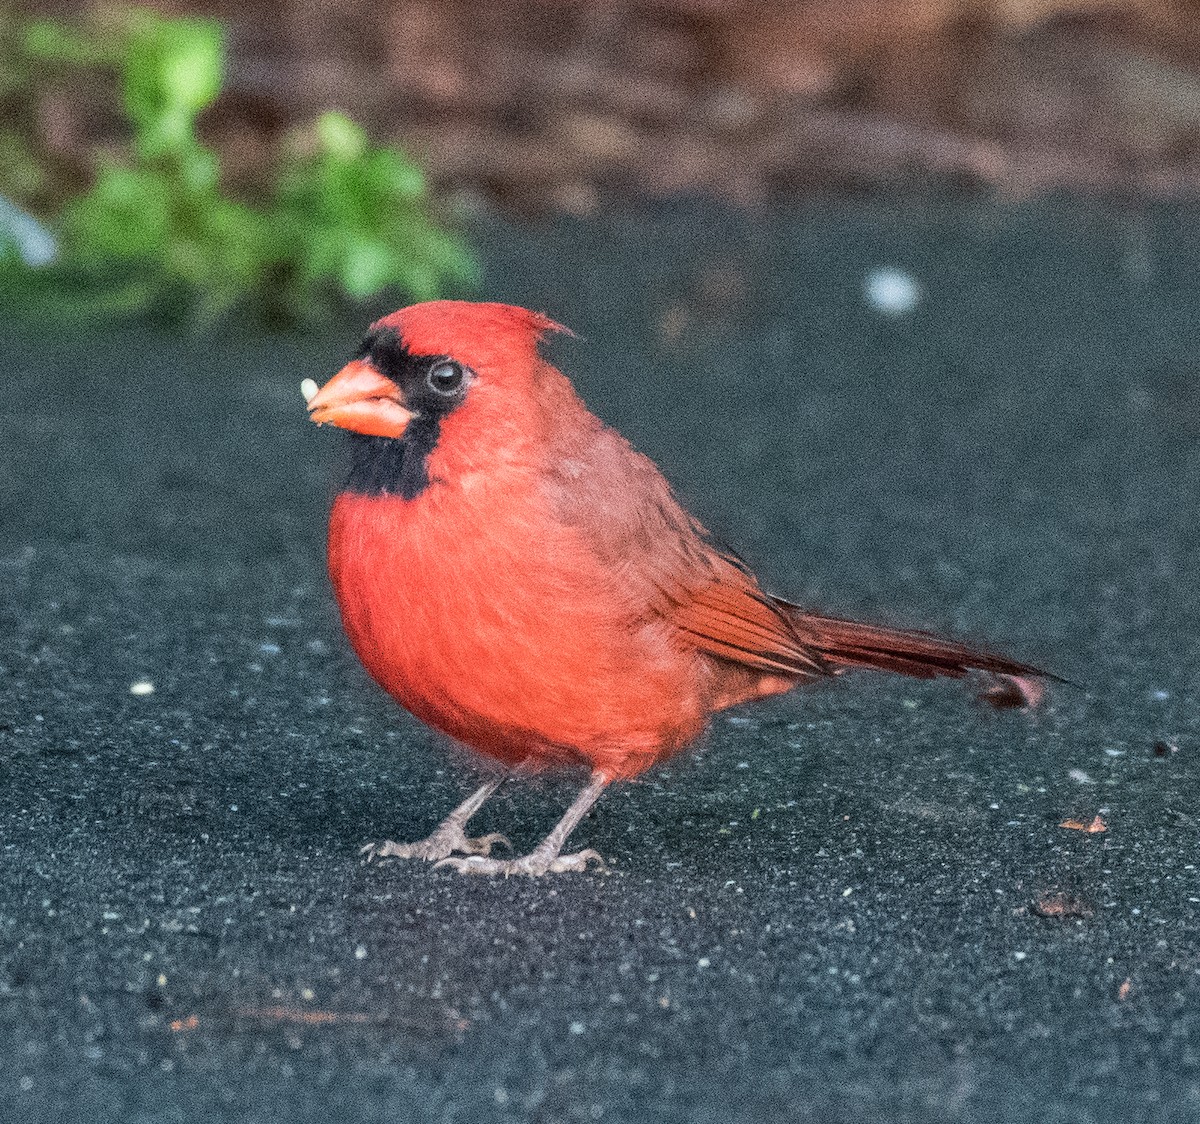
(891, 291)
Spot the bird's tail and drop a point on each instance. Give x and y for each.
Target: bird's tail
(845, 644)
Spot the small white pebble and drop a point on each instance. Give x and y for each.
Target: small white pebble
(1020, 955)
(703, 962)
(1160, 695)
(1079, 776)
(577, 1028)
(309, 389)
(891, 291)
(360, 952)
(141, 687)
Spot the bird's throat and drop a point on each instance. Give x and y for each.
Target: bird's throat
(389, 466)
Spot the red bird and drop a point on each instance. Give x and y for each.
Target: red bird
(516, 575)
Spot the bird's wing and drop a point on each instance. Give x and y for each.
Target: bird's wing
(730, 617)
(626, 515)
(668, 568)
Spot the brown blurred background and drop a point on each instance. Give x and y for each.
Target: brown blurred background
(564, 104)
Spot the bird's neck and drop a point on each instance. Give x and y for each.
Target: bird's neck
(389, 466)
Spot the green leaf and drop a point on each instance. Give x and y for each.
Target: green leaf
(199, 169)
(125, 215)
(395, 173)
(172, 70)
(368, 265)
(340, 137)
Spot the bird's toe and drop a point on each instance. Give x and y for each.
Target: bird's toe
(470, 864)
(483, 844)
(533, 865)
(387, 849)
(440, 845)
(562, 864)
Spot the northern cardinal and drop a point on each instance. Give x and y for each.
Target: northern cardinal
(516, 575)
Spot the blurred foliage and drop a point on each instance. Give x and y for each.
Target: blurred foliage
(355, 215)
(156, 230)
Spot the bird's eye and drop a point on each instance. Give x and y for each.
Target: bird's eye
(446, 377)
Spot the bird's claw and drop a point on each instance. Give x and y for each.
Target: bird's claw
(438, 846)
(533, 864)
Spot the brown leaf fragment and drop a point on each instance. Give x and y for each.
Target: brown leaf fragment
(281, 1014)
(1097, 825)
(1124, 990)
(286, 1016)
(178, 1026)
(673, 323)
(1062, 906)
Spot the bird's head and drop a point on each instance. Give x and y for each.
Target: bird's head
(432, 374)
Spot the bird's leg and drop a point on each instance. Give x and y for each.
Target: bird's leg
(545, 858)
(449, 836)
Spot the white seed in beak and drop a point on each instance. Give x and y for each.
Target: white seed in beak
(309, 389)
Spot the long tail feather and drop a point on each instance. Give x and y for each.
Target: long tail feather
(845, 644)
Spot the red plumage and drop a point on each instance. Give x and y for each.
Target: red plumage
(538, 593)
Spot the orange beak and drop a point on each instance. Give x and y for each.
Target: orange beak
(360, 399)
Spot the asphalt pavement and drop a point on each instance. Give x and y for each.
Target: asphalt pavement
(872, 901)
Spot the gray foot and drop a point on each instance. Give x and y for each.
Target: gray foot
(443, 842)
(535, 864)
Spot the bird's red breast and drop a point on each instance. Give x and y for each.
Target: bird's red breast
(514, 573)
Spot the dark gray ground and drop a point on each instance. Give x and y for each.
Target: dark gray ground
(825, 915)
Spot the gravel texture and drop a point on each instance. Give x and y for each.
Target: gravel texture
(853, 903)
